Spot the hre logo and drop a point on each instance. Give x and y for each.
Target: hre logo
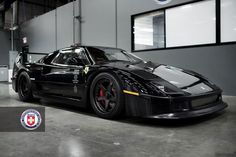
(31, 119)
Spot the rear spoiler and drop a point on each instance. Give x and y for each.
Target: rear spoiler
(24, 55)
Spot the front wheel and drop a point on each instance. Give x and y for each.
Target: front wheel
(24, 87)
(106, 97)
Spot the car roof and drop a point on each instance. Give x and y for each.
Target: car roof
(85, 46)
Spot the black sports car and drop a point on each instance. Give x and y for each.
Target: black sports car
(116, 82)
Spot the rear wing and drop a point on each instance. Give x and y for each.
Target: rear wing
(30, 57)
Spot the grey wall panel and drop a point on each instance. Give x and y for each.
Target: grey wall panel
(4, 47)
(64, 25)
(41, 33)
(98, 22)
(215, 62)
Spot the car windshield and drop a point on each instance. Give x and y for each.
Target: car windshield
(102, 54)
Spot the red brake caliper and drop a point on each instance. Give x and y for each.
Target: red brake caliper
(101, 92)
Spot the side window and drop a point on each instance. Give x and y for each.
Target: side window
(59, 59)
(72, 57)
(48, 59)
(81, 57)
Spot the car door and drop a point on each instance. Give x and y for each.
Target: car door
(64, 75)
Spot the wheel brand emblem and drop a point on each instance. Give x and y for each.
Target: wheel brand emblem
(31, 119)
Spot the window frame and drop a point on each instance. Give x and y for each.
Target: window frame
(147, 13)
(220, 24)
(66, 65)
(218, 41)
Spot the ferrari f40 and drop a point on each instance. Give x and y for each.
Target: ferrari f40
(115, 82)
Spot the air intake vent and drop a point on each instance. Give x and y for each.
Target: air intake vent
(204, 101)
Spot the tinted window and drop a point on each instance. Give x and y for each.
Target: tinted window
(102, 54)
(71, 57)
(48, 59)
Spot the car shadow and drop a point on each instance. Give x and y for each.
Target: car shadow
(173, 123)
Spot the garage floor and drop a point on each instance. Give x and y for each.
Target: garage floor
(72, 132)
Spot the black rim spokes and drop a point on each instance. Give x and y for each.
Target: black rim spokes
(24, 86)
(105, 95)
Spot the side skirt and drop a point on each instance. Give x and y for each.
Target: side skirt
(62, 99)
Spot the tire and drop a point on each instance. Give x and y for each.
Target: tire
(24, 87)
(106, 97)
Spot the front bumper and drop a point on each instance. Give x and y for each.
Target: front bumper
(173, 107)
(192, 114)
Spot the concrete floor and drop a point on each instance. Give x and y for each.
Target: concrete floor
(72, 132)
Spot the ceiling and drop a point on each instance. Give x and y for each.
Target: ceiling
(27, 9)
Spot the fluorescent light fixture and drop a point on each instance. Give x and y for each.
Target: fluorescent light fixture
(162, 2)
(24, 40)
(13, 28)
(188, 6)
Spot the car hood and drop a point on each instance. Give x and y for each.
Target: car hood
(167, 78)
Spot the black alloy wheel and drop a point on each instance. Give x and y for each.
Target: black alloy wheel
(106, 96)
(24, 87)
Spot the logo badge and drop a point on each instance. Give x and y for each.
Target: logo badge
(30, 119)
(86, 70)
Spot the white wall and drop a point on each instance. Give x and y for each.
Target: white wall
(66, 25)
(40, 33)
(98, 22)
(58, 28)
(53, 30)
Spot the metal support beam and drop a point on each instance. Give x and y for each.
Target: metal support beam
(39, 4)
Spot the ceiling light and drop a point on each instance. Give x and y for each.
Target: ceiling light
(187, 6)
(13, 28)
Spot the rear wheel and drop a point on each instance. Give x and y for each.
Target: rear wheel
(106, 96)
(24, 87)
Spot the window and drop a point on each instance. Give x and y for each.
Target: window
(71, 57)
(199, 23)
(228, 20)
(149, 31)
(191, 24)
